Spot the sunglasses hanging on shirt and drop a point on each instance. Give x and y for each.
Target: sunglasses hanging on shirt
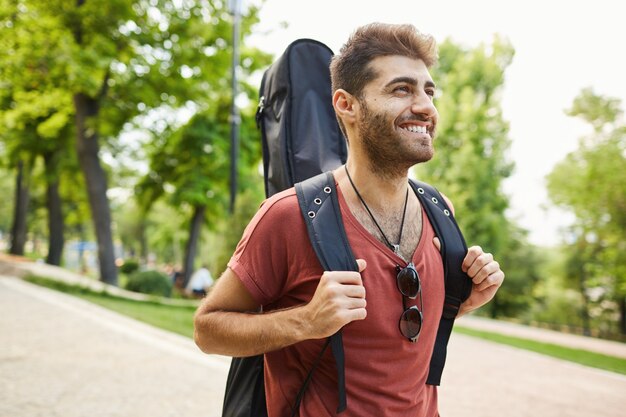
(409, 285)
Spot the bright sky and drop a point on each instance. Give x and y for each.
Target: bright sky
(561, 47)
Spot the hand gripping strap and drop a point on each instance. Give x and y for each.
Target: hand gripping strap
(457, 284)
(319, 204)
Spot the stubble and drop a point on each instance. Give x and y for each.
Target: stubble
(390, 154)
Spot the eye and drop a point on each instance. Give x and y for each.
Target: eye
(402, 89)
(430, 92)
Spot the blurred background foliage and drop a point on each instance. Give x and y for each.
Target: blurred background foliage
(115, 147)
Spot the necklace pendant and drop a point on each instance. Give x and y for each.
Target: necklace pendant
(396, 249)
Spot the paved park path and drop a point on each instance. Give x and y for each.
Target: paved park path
(62, 356)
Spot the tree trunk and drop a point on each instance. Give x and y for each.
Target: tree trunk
(56, 224)
(22, 201)
(87, 147)
(192, 244)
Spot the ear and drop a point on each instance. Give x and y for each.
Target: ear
(345, 105)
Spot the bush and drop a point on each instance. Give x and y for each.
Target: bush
(129, 266)
(150, 282)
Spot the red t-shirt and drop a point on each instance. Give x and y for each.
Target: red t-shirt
(385, 372)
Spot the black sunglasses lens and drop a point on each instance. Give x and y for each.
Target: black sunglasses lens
(408, 282)
(411, 323)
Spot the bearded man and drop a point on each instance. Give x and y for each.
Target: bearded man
(383, 96)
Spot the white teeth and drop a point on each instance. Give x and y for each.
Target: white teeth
(416, 129)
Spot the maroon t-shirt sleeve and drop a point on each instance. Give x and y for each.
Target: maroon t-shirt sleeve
(261, 259)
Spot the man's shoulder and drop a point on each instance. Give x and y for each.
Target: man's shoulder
(284, 202)
(278, 210)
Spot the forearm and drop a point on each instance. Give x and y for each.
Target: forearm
(247, 334)
(226, 324)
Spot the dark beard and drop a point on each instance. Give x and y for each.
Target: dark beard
(389, 154)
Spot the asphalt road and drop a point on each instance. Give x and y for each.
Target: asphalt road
(61, 356)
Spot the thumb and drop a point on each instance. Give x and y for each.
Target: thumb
(362, 264)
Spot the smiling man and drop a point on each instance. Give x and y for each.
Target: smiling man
(383, 98)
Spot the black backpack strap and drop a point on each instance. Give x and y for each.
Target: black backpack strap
(319, 203)
(457, 284)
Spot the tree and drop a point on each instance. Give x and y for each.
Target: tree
(193, 164)
(36, 113)
(470, 163)
(22, 201)
(591, 183)
(190, 164)
(122, 58)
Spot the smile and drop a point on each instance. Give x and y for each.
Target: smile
(416, 129)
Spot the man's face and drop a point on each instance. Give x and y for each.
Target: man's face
(398, 119)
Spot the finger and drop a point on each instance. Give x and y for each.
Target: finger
(344, 277)
(354, 314)
(472, 253)
(353, 303)
(485, 271)
(479, 263)
(362, 264)
(437, 243)
(354, 291)
(494, 279)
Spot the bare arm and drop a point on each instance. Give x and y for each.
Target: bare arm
(228, 321)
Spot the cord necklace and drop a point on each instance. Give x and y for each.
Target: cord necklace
(394, 248)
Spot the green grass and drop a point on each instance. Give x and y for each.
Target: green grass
(174, 318)
(583, 357)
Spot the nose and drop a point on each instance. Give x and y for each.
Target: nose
(423, 105)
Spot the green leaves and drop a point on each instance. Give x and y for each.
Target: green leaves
(591, 183)
(127, 60)
(596, 110)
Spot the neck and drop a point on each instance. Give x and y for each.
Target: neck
(380, 193)
(386, 221)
